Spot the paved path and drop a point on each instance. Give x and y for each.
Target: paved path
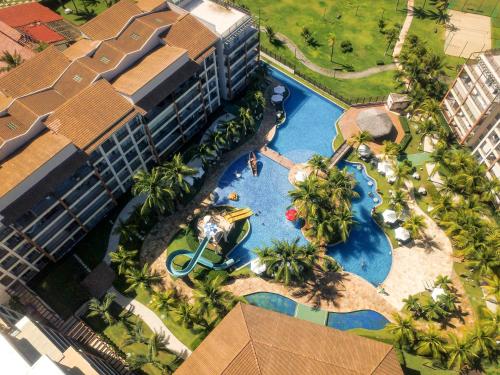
(404, 29)
(153, 322)
(114, 238)
(277, 157)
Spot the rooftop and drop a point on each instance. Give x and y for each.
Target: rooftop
(220, 18)
(252, 340)
(26, 14)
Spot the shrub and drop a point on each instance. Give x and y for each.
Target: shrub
(346, 46)
(405, 141)
(380, 62)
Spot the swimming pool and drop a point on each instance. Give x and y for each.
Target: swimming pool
(309, 128)
(367, 319)
(272, 301)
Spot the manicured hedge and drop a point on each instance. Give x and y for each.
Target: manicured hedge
(405, 141)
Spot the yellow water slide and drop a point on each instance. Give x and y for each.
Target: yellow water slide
(239, 214)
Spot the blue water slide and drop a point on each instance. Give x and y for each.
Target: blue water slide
(195, 258)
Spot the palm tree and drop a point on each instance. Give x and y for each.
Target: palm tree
(430, 343)
(482, 343)
(96, 308)
(141, 278)
(175, 173)
(401, 174)
(434, 311)
(232, 131)
(390, 150)
(490, 321)
(247, 122)
(460, 352)
(307, 196)
(415, 224)
(287, 261)
(206, 153)
(136, 334)
(443, 281)
(318, 164)
(159, 195)
(412, 304)
(442, 205)
(185, 315)
(11, 60)
(492, 287)
(271, 34)
(360, 138)
(259, 100)
(448, 302)
(210, 296)
(166, 300)
(430, 109)
(391, 35)
(343, 219)
(331, 43)
(398, 200)
(403, 330)
(427, 127)
(128, 231)
(124, 259)
(485, 261)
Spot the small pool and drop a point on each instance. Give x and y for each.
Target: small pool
(273, 302)
(367, 319)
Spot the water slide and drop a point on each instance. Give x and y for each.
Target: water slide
(195, 257)
(240, 214)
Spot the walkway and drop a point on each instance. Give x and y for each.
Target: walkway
(125, 213)
(404, 29)
(277, 157)
(339, 154)
(153, 322)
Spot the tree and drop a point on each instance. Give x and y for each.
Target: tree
(307, 196)
(259, 101)
(430, 343)
(128, 231)
(403, 330)
(412, 304)
(287, 261)
(210, 297)
(271, 34)
(246, 120)
(206, 153)
(185, 315)
(401, 174)
(415, 224)
(141, 278)
(343, 219)
(430, 109)
(434, 311)
(101, 309)
(232, 131)
(490, 321)
(360, 138)
(391, 35)
(443, 281)
(159, 195)
(482, 344)
(390, 150)
(11, 60)
(492, 287)
(165, 300)
(398, 200)
(331, 43)
(124, 259)
(485, 261)
(136, 334)
(175, 173)
(318, 164)
(460, 353)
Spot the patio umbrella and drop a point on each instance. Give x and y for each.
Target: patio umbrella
(279, 89)
(277, 98)
(257, 267)
(402, 234)
(291, 214)
(300, 176)
(390, 216)
(436, 292)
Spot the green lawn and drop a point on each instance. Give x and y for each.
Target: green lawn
(434, 34)
(471, 287)
(349, 20)
(59, 285)
(118, 335)
(78, 15)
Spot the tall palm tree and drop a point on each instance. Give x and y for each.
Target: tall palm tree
(460, 352)
(343, 219)
(136, 334)
(331, 43)
(101, 309)
(485, 261)
(398, 200)
(482, 343)
(185, 314)
(430, 109)
(246, 120)
(175, 172)
(433, 310)
(206, 153)
(287, 261)
(492, 287)
(490, 321)
(11, 60)
(165, 300)
(124, 259)
(271, 34)
(159, 195)
(401, 174)
(442, 205)
(210, 296)
(443, 281)
(430, 343)
(390, 150)
(141, 278)
(448, 302)
(413, 304)
(403, 330)
(128, 231)
(360, 138)
(232, 131)
(259, 101)
(307, 196)
(415, 224)
(318, 164)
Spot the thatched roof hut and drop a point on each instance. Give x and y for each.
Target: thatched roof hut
(376, 122)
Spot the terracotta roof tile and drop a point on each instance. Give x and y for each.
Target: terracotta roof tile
(284, 345)
(150, 5)
(86, 118)
(35, 74)
(76, 78)
(43, 102)
(109, 23)
(105, 58)
(24, 14)
(133, 37)
(160, 19)
(43, 33)
(80, 48)
(190, 34)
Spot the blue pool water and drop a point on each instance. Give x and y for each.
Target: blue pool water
(309, 129)
(367, 319)
(274, 302)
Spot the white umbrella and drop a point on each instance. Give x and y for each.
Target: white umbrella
(402, 234)
(257, 267)
(277, 98)
(300, 176)
(279, 89)
(382, 167)
(436, 292)
(390, 216)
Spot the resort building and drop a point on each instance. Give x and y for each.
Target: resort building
(76, 125)
(252, 340)
(28, 347)
(238, 43)
(472, 109)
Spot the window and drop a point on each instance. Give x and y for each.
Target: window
(11, 125)
(104, 60)
(135, 36)
(77, 78)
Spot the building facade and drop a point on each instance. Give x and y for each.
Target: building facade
(471, 108)
(76, 125)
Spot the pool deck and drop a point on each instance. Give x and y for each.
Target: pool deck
(277, 157)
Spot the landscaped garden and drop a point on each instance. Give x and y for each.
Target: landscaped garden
(81, 11)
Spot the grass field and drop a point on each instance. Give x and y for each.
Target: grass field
(78, 15)
(353, 20)
(490, 8)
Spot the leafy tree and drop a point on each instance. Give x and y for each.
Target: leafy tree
(492, 287)
(482, 344)
(360, 138)
(460, 352)
(271, 34)
(346, 46)
(318, 164)
(403, 330)
(165, 300)
(136, 334)
(141, 278)
(331, 43)
(246, 120)
(416, 225)
(390, 150)
(101, 309)
(124, 259)
(175, 172)
(412, 304)
(210, 297)
(159, 194)
(259, 101)
(185, 314)
(430, 343)
(398, 200)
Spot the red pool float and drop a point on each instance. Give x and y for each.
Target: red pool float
(291, 214)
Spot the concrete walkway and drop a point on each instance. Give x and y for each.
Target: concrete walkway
(277, 157)
(404, 29)
(153, 322)
(125, 213)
